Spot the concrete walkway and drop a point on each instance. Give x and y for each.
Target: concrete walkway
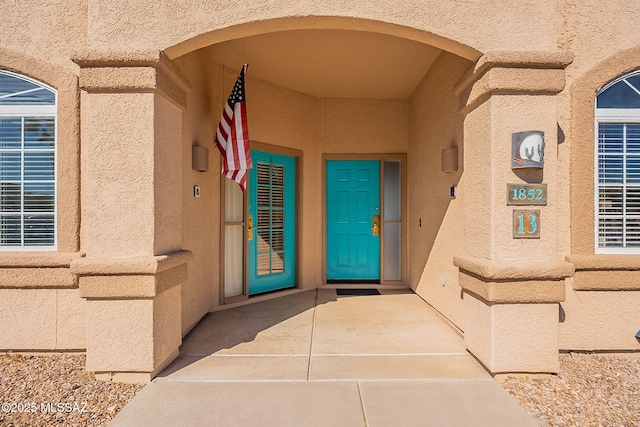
(318, 359)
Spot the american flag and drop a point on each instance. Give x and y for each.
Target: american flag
(232, 137)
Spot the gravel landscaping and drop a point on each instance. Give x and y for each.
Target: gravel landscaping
(590, 390)
(55, 390)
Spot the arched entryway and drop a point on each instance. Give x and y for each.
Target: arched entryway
(349, 89)
(405, 90)
(365, 89)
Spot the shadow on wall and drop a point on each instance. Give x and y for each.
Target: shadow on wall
(436, 126)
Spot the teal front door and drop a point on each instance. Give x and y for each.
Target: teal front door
(353, 220)
(271, 222)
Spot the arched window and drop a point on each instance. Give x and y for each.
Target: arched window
(618, 165)
(28, 112)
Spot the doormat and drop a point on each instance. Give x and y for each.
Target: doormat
(352, 281)
(349, 292)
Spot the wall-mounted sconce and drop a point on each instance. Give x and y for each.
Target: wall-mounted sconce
(199, 158)
(449, 159)
(527, 149)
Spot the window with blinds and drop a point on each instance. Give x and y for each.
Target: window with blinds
(618, 166)
(27, 164)
(270, 191)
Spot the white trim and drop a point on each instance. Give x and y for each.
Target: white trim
(596, 184)
(28, 110)
(28, 248)
(55, 178)
(630, 251)
(614, 115)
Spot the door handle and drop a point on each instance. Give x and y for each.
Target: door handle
(376, 225)
(250, 228)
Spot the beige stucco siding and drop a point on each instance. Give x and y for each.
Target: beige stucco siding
(167, 177)
(599, 320)
(476, 182)
(454, 25)
(127, 121)
(42, 319)
(200, 216)
(117, 171)
(51, 31)
(510, 114)
(366, 125)
(436, 220)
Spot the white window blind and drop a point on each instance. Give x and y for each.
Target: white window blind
(618, 166)
(27, 164)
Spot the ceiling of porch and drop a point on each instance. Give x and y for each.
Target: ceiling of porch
(332, 63)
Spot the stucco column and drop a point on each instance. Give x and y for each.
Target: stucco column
(131, 121)
(512, 286)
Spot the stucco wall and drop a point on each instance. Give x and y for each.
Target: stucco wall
(167, 177)
(515, 113)
(528, 25)
(599, 320)
(51, 31)
(42, 319)
(476, 182)
(200, 216)
(354, 125)
(117, 174)
(593, 30)
(436, 124)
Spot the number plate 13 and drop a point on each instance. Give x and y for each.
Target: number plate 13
(526, 224)
(527, 194)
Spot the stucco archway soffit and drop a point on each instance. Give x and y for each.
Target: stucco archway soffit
(332, 63)
(254, 28)
(514, 72)
(327, 56)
